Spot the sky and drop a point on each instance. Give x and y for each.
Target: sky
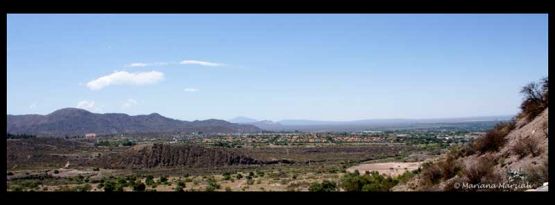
(275, 66)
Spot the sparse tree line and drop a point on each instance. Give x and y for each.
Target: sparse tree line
(20, 136)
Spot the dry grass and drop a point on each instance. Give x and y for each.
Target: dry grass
(480, 171)
(431, 173)
(450, 167)
(538, 174)
(495, 138)
(527, 146)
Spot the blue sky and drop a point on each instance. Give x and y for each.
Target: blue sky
(282, 66)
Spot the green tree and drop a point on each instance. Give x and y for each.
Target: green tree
(109, 186)
(325, 186)
(149, 180)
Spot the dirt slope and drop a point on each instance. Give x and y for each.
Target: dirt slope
(522, 157)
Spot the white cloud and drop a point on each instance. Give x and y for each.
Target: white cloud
(136, 65)
(129, 103)
(202, 63)
(85, 104)
(190, 90)
(126, 78)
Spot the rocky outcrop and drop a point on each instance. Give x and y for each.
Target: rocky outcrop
(164, 155)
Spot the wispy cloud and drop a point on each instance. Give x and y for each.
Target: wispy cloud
(201, 63)
(148, 64)
(129, 103)
(136, 65)
(126, 78)
(85, 104)
(184, 62)
(190, 90)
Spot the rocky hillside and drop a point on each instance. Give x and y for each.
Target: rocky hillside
(73, 121)
(514, 154)
(164, 155)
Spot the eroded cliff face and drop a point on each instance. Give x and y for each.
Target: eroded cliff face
(522, 159)
(164, 155)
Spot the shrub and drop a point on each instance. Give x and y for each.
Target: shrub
(250, 181)
(227, 189)
(239, 176)
(527, 146)
(405, 177)
(149, 180)
(212, 185)
(139, 187)
(122, 182)
(109, 186)
(458, 151)
(96, 169)
(325, 186)
(449, 167)
(453, 185)
(368, 182)
(178, 188)
(16, 188)
(537, 175)
(227, 176)
(495, 138)
(119, 187)
(56, 172)
(480, 171)
(163, 179)
(431, 173)
(83, 188)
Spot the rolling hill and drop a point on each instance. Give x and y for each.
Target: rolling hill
(73, 121)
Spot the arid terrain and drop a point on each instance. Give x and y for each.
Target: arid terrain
(438, 158)
(386, 168)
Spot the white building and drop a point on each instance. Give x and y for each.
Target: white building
(90, 136)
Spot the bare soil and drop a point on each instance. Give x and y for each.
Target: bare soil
(386, 168)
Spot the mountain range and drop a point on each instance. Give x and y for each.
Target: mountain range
(74, 121)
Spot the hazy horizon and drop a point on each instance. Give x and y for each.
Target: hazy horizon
(287, 119)
(275, 67)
